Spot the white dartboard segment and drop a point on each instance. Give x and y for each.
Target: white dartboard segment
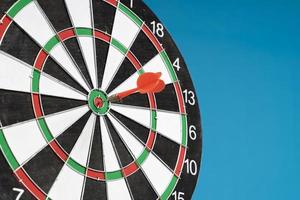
(59, 122)
(65, 61)
(117, 190)
(158, 174)
(68, 185)
(131, 142)
(157, 64)
(25, 140)
(124, 31)
(80, 151)
(52, 87)
(33, 22)
(16, 75)
(80, 12)
(137, 114)
(109, 155)
(88, 51)
(113, 61)
(169, 125)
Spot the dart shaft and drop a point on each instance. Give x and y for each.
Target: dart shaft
(118, 97)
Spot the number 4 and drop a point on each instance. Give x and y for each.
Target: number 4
(176, 64)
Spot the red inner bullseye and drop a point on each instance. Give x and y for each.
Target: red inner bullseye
(98, 102)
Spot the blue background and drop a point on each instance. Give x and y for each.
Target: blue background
(244, 57)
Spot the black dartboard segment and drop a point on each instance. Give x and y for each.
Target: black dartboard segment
(63, 132)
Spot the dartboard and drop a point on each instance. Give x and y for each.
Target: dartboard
(96, 102)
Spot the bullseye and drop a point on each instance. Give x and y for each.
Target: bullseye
(98, 102)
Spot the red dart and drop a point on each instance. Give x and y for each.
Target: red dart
(159, 87)
(147, 83)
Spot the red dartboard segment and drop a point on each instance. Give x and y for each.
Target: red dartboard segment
(150, 141)
(152, 101)
(66, 34)
(180, 97)
(97, 175)
(102, 36)
(134, 60)
(37, 104)
(180, 161)
(29, 184)
(112, 2)
(153, 39)
(58, 150)
(130, 169)
(40, 60)
(5, 22)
